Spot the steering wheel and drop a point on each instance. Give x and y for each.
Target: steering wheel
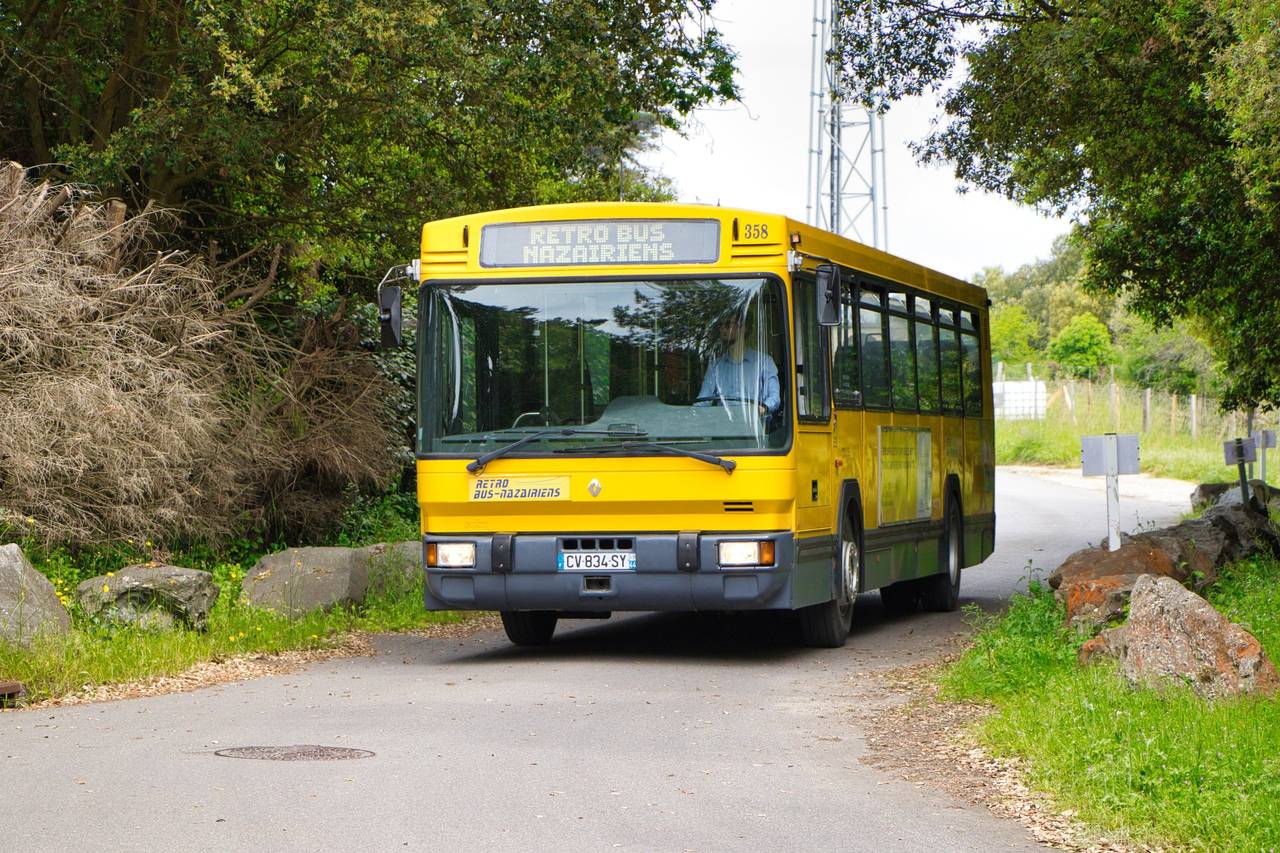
(548, 416)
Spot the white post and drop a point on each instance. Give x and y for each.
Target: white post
(1195, 421)
(1112, 461)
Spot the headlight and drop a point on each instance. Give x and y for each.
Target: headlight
(754, 553)
(451, 555)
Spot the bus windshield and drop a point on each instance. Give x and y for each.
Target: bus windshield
(699, 362)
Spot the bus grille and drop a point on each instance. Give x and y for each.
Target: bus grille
(738, 506)
(598, 543)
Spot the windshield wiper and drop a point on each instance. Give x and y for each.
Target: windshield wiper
(477, 465)
(702, 456)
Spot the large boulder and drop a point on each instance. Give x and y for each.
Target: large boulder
(301, 580)
(1260, 491)
(29, 604)
(1174, 635)
(394, 564)
(150, 596)
(1206, 494)
(1248, 532)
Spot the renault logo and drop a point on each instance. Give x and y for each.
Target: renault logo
(594, 488)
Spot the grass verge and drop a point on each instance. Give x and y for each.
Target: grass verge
(1057, 442)
(1160, 767)
(96, 653)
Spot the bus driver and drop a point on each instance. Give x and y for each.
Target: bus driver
(740, 373)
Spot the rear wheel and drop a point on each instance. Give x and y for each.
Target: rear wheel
(529, 627)
(941, 592)
(827, 625)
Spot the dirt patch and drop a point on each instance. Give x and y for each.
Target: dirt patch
(927, 741)
(247, 667)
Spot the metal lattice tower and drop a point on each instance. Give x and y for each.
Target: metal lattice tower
(846, 177)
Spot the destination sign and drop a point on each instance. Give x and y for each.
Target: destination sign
(615, 241)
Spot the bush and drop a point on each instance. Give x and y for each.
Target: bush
(137, 405)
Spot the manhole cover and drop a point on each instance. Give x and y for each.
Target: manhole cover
(303, 752)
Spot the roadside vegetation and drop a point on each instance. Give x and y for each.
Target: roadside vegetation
(97, 653)
(1160, 767)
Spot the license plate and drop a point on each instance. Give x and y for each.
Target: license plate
(579, 561)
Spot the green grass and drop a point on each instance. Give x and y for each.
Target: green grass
(1055, 442)
(1167, 448)
(94, 653)
(1162, 767)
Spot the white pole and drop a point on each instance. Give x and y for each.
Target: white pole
(1112, 460)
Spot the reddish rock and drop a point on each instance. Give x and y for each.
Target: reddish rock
(1136, 556)
(1093, 602)
(1174, 635)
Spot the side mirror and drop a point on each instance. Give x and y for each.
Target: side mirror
(389, 315)
(827, 293)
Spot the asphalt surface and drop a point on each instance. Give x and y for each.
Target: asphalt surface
(646, 732)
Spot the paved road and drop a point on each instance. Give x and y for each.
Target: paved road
(651, 732)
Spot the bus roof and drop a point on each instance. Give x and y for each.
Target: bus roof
(748, 240)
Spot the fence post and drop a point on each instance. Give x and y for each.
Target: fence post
(1066, 396)
(1173, 413)
(1088, 398)
(1146, 409)
(1195, 421)
(1248, 430)
(1030, 376)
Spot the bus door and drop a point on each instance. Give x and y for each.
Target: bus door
(814, 458)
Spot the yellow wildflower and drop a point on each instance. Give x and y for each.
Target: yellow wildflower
(30, 520)
(111, 574)
(106, 588)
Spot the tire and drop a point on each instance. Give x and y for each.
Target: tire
(940, 593)
(529, 627)
(901, 597)
(827, 625)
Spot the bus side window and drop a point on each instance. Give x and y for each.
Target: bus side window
(902, 358)
(972, 367)
(926, 355)
(949, 350)
(875, 355)
(847, 381)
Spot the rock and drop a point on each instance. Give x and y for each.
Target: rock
(1208, 493)
(1094, 602)
(29, 604)
(1174, 635)
(301, 580)
(1091, 650)
(150, 596)
(1137, 555)
(1248, 532)
(394, 562)
(1260, 491)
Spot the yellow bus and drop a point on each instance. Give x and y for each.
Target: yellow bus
(669, 407)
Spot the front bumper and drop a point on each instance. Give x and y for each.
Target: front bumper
(519, 573)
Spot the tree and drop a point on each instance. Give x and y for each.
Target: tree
(1083, 346)
(1155, 121)
(1011, 331)
(335, 129)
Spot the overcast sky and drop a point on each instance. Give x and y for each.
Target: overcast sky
(754, 155)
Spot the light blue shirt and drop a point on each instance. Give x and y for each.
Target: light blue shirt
(753, 378)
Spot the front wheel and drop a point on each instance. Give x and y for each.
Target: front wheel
(529, 627)
(827, 625)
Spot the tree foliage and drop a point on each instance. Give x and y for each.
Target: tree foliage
(1011, 332)
(336, 128)
(1083, 346)
(1154, 120)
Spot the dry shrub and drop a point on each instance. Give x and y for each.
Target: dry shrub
(135, 404)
